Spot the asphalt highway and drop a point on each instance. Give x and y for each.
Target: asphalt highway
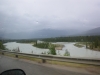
(7, 63)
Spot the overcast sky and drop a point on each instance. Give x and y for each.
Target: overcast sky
(33, 15)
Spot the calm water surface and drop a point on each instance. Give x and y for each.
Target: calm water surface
(74, 51)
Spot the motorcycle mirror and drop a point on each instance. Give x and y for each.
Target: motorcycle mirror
(13, 72)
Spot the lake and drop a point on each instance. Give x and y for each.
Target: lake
(74, 51)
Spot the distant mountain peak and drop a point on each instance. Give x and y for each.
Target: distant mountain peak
(95, 31)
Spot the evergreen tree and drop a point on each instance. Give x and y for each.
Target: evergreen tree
(52, 50)
(96, 43)
(86, 45)
(2, 46)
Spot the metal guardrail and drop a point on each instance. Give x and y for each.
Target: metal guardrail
(89, 61)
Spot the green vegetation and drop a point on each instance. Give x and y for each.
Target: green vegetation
(93, 45)
(78, 45)
(58, 46)
(2, 46)
(58, 39)
(26, 41)
(44, 53)
(44, 45)
(91, 42)
(67, 53)
(16, 50)
(68, 64)
(52, 49)
(81, 43)
(72, 39)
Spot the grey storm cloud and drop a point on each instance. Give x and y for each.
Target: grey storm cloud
(33, 15)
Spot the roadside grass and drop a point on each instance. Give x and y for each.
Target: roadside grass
(53, 62)
(30, 58)
(70, 64)
(11, 55)
(23, 57)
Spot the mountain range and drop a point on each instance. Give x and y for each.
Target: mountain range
(95, 31)
(47, 33)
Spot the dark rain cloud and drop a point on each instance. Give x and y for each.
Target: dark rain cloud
(30, 16)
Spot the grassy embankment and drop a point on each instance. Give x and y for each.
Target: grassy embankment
(67, 64)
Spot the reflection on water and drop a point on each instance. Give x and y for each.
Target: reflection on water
(74, 51)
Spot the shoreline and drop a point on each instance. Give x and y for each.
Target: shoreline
(83, 44)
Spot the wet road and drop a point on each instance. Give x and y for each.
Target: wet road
(31, 68)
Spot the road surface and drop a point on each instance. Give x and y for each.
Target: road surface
(31, 68)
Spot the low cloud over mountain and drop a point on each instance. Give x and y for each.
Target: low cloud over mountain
(95, 31)
(47, 18)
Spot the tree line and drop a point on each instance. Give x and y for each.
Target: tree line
(92, 42)
(2, 46)
(58, 39)
(72, 39)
